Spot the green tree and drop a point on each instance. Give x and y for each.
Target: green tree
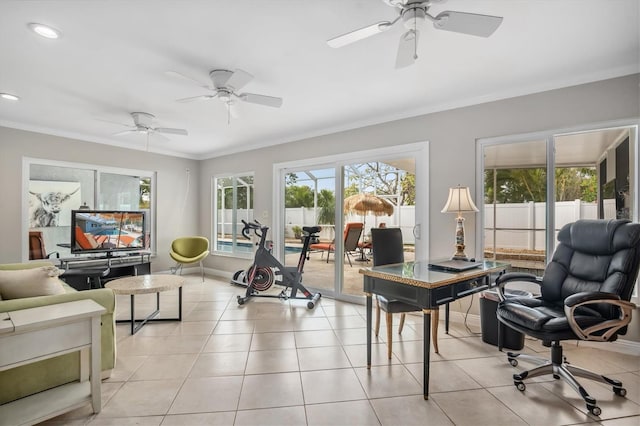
(408, 190)
(244, 192)
(351, 190)
(523, 185)
(298, 196)
(375, 177)
(327, 204)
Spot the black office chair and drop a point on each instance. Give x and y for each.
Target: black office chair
(388, 248)
(585, 293)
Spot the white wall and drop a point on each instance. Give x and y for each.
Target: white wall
(175, 216)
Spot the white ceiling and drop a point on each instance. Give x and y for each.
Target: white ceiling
(113, 57)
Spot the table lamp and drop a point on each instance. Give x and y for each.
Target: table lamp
(459, 202)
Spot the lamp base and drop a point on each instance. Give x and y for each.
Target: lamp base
(459, 254)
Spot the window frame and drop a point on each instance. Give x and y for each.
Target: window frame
(97, 170)
(215, 215)
(549, 136)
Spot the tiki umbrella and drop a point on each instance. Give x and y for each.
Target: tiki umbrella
(365, 204)
(368, 203)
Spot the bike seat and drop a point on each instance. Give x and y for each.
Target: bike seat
(311, 229)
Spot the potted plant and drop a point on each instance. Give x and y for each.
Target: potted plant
(297, 232)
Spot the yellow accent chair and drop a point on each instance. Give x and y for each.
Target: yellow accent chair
(186, 250)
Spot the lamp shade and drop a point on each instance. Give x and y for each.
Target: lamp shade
(459, 201)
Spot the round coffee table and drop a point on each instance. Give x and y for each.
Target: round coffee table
(143, 284)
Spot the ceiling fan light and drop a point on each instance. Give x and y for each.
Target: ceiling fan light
(9, 97)
(45, 30)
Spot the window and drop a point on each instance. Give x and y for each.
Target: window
(535, 184)
(233, 202)
(72, 185)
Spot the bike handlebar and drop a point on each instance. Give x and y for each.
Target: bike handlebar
(257, 228)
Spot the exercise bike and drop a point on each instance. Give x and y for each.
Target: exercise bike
(266, 270)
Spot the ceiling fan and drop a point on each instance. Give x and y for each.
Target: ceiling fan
(226, 85)
(143, 124)
(413, 14)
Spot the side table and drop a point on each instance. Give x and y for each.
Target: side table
(35, 334)
(144, 284)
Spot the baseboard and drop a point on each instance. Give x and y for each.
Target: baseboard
(209, 272)
(620, 346)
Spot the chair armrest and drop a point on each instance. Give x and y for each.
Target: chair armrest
(504, 279)
(586, 296)
(605, 330)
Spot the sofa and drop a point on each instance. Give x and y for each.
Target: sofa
(39, 376)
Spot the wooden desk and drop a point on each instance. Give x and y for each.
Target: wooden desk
(414, 283)
(34, 334)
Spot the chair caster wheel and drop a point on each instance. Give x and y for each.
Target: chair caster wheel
(521, 386)
(594, 410)
(310, 305)
(620, 391)
(513, 362)
(555, 376)
(240, 300)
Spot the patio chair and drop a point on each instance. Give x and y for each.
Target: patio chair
(351, 236)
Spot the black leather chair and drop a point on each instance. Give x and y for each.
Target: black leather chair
(388, 248)
(585, 293)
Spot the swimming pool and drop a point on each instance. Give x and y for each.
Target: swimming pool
(243, 247)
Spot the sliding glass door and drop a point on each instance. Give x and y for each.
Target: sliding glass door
(319, 193)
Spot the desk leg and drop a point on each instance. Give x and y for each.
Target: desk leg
(434, 329)
(446, 318)
(426, 314)
(369, 323)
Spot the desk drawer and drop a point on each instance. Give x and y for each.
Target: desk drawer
(450, 293)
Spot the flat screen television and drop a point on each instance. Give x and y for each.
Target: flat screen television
(108, 231)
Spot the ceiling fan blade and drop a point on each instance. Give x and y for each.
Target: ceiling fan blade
(156, 136)
(196, 98)
(168, 130)
(407, 49)
(238, 79)
(113, 122)
(467, 23)
(261, 99)
(362, 33)
(126, 132)
(187, 78)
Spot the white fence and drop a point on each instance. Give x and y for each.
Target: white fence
(519, 226)
(522, 225)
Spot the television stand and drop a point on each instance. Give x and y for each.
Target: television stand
(84, 273)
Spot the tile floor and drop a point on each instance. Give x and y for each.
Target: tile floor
(276, 363)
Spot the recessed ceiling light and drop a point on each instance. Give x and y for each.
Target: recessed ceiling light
(45, 30)
(9, 96)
